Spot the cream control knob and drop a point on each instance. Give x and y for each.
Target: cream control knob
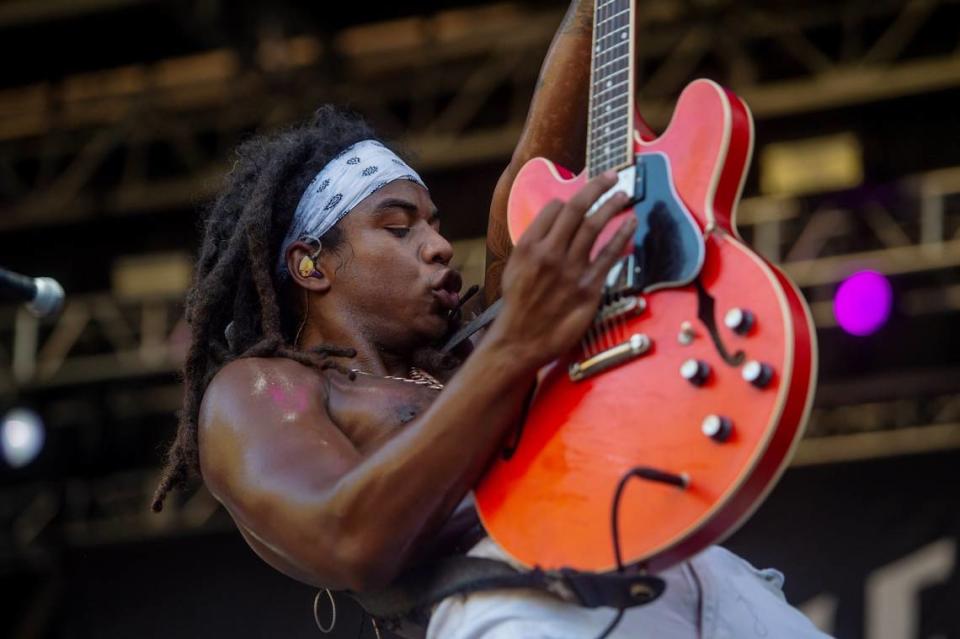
(695, 371)
(717, 427)
(739, 320)
(757, 373)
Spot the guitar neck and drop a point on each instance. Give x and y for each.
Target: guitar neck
(610, 120)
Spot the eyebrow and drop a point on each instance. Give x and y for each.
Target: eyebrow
(406, 205)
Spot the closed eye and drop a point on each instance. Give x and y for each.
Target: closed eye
(398, 231)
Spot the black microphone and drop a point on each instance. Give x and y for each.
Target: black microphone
(43, 295)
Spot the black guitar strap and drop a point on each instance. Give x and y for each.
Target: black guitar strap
(415, 592)
(482, 320)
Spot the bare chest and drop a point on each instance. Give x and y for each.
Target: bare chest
(368, 409)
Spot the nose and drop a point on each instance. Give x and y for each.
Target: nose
(436, 248)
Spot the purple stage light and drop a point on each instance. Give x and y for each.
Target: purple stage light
(863, 301)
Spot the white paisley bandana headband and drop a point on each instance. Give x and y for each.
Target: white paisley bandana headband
(344, 182)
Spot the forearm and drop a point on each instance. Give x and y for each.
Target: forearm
(555, 127)
(556, 122)
(411, 483)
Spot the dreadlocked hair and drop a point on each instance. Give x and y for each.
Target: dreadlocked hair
(233, 305)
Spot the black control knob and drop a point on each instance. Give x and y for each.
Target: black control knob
(717, 427)
(695, 371)
(757, 373)
(739, 320)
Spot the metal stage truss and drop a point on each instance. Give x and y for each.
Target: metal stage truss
(455, 84)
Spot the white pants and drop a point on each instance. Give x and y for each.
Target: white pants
(715, 595)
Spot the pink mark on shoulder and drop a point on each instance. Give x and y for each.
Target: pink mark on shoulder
(288, 400)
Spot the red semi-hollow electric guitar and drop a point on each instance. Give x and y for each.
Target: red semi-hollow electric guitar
(700, 364)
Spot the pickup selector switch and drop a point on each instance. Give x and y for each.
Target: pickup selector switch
(695, 371)
(686, 334)
(757, 373)
(717, 427)
(739, 320)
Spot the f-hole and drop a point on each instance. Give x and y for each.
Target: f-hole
(707, 316)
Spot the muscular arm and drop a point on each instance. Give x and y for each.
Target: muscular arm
(312, 504)
(555, 127)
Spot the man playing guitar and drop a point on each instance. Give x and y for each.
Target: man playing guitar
(314, 410)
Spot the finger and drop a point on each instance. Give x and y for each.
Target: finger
(544, 221)
(576, 208)
(611, 252)
(594, 225)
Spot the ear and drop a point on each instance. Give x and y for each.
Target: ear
(300, 254)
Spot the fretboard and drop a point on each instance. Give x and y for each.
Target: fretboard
(610, 123)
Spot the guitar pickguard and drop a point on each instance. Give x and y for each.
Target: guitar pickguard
(668, 245)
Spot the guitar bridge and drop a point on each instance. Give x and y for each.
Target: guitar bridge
(636, 346)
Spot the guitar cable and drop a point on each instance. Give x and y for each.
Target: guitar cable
(640, 472)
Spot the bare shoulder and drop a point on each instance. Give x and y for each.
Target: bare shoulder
(251, 388)
(245, 407)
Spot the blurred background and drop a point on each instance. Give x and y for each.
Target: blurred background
(117, 121)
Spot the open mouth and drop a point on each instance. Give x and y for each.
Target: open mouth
(446, 289)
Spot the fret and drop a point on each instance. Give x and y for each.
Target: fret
(622, 33)
(608, 139)
(620, 123)
(599, 162)
(599, 165)
(602, 6)
(621, 118)
(620, 16)
(608, 112)
(604, 116)
(609, 79)
(595, 140)
(614, 16)
(611, 87)
(599, 49)
(607, 85)
(601, 137)
(602, 152)
(603, 79)
(608, 105)
(622, 58)
(609, 149)
(618, 49)
(603, 167)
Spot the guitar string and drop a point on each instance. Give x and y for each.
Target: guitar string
(605, 322)
(620, 323)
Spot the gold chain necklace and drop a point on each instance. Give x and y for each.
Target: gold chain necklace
(416, 376)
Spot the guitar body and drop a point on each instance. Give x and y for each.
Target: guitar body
(549, 504)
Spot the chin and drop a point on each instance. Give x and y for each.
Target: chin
(434, 329)
(425, 331)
